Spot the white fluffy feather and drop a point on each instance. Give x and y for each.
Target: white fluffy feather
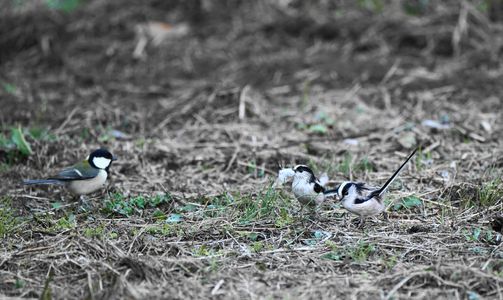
(323, 180)
(283, 176)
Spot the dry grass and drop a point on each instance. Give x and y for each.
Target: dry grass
(204, 121)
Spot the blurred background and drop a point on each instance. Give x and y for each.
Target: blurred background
(137, 54)
(235, 86)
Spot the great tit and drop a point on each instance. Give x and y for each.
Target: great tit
(366, 201)
(309, 190)
(82, 178)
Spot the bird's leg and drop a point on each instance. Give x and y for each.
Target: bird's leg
(345, 220)
(313, 212)
(300, 213)
(385, 215)
(361, 223)
(301, 209)
(84, 205)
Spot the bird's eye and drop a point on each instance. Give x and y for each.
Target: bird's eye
(345, 193)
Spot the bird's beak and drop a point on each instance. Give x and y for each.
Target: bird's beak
(114, 158)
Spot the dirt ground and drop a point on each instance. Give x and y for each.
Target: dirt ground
(201, 100)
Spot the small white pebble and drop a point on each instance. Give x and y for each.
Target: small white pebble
(351, 142)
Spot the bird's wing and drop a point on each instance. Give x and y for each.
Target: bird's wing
(372, 194)
(78, 171)
(360, 200)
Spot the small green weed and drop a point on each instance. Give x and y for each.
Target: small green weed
(390, 261)
(415, 8)
(218, 205)
(252, 236)
(375, 6)
(15, 145)
(85, 134)
(358, 253)
(174, 218)
(477, 234)
(483, 6)
(161, 229)
(262, 206)
(284, 218)
(65, 223)
(63, 5)
(257, 246)
(321, 125)
(344, 166)
(408, 203)
(96, 232)
(40, 134)
(203, 250)
(253, 169)
(422, 159)
(488, 193)
(9, 88)
(159, 215)
(318, 128)
(122, 205)
(491, 193)
(213, 266)
(335, 253)
(8, 222)
(4, 167)
(19, 284)
(361, 251)
(364, 165)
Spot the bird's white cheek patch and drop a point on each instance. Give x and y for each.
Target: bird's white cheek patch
(341, 188)
(101, 162)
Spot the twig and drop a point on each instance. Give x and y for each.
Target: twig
(401, 283)
(391, 71)
(242, 102)
(217, 287)
(66, 121)
(233, 158)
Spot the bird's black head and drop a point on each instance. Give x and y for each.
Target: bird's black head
(305, 169)
(343, 189)
(302, 168)
(101, 159)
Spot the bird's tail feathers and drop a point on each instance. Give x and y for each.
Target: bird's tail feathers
(393, 177)
(330, 193)
(42, 181)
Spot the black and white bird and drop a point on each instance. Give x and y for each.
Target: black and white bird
(308, 190)
(366, 201)
(82, 178)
